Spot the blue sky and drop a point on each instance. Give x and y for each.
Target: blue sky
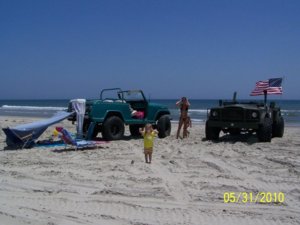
(200, 49)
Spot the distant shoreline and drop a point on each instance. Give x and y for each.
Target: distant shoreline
(161, 99)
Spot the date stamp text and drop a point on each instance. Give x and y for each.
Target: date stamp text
(251, 197)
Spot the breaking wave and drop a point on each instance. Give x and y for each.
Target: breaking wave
(35, 108)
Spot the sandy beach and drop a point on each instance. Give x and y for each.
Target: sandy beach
(185, 184)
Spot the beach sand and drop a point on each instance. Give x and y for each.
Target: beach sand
(185, 183)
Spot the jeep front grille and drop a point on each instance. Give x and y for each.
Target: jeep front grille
(232, 114)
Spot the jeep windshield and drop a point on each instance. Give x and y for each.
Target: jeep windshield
(258, 104)
(133, 96)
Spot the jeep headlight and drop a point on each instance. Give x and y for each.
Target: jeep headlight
(254, 115)
(214, 113)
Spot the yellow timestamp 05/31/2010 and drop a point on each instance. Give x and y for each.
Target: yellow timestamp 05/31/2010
(251, 197)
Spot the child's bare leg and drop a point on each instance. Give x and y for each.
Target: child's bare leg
(146, 158)
(179, 128)
(187, 133)
(150, 157)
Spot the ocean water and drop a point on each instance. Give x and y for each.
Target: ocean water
(197, 111)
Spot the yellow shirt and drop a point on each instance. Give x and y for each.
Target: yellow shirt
(148, 139)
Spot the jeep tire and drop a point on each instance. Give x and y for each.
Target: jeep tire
(264, 132)
(212, 133)
(234, 131)
(113, 128)
(278, 128)
(164, 126)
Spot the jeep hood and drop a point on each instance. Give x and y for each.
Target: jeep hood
(156, 105)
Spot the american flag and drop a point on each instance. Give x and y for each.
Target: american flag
(272, 86)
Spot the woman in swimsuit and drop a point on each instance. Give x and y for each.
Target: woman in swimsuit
(184, 105)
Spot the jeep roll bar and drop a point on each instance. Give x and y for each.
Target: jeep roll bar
(119, 90)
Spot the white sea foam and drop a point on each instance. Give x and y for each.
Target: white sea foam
(290, 111)
(198, 110)
(195, 111)
(197, 120)
(193, 121)
(36, 108)
(204, 111)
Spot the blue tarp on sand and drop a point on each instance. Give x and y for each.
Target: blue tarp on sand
(23, 136)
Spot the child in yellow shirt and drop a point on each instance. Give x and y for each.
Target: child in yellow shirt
(148, 133)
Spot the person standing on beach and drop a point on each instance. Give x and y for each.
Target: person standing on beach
(184, 105)
(149, 134)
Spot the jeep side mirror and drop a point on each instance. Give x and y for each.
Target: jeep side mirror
(220, 102)
(234, 96)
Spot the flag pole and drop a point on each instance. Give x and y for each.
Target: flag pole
(265, 95)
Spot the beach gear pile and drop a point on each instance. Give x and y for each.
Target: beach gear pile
(26, 135)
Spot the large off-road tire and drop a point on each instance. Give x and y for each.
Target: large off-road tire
(164, 126)
(135, 130)
(234, 131)
(264, 132)
(278, 128)
(212, 133)
(113, 128)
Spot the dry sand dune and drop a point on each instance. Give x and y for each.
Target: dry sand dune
(184, 184)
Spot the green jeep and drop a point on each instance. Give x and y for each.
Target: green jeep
(234, 117)
(109, 114)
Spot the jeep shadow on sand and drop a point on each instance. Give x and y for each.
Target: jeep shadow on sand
(235, 117)
(109, 115)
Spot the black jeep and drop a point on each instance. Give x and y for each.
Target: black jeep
(235, 117)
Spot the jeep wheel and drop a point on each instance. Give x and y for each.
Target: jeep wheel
(264, 132)
(234, 131)
(278, 128)
(113, 128)
(135, 130)
(164, 126)
(212, 133)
